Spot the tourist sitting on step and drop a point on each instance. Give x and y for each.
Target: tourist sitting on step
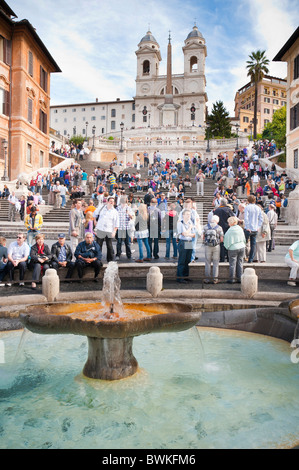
(292, 260)
(62, 256)
(40, 259)
(88, 254)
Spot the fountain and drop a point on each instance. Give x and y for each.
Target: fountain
(110, 326)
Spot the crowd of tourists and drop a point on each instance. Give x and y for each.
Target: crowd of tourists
(247, 204)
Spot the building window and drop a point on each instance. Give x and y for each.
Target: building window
(83, 110)
(43, 121)
(113, 112)
(112, 125)
(275, 102)
(93, 118)
(193, 64)
(296, 158)
(144, 118)
(146, 67)
(30, 63)
(83, 131)
(266, 100)
(245, 119)
(266, 111)
(41, 159)
(5, 50)
(133, 106)
(43, 79)
(294, 121)
(296, 67)
(4, 102)
(266, 121)
(74, 119)
(29, 154)
(55, 111)
(103, 118)
(93, 108)
(64, 111)
(74, 110)
(30, 110)
(133, 117)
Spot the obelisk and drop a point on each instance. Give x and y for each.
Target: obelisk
(169, 109)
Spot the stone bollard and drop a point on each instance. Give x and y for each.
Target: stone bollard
(249, 282)
(50, 285)
(154, 281)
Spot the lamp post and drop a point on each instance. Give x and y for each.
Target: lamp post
(250, 127)
(93, 135)
(208, 137)
(237, 127)
(86, 126)
(121, 136)
(5, 146)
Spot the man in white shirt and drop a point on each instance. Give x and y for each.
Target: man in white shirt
(107, 225)
(18, 253)
(12, 200)
(255, 179)
(253, 219)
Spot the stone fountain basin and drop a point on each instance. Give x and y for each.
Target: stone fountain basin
(86, 319)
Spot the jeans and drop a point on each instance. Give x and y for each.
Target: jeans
(251, 236)
(123, 237)
(63, 200)
(22, 266)
(236, 258)
(185, 253)
(140, 242)
(156, 247)
(171, 239)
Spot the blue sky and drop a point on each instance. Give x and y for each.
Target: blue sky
(94, 41)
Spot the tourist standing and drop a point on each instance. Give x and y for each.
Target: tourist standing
(235, 242)
(272, 217)
(125, 215)
(263, 236)
(107, 225)
(76, 224)
(253, 219)
(212, 237)
(185, 233)
(142, 232)
(200, 178)
(33, 224)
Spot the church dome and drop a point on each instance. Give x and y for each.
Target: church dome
(148, 38)
(195, 33)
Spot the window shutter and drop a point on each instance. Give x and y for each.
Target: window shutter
(6, 104)
(7, 51)
(30, 109)
(30, 63)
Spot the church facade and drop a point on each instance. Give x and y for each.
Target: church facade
(161, 101)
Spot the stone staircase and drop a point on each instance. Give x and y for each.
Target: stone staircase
(57, 220)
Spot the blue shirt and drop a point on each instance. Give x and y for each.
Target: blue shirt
(253, 217)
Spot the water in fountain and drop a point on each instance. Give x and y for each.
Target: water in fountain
(111, 301)
(250, 401)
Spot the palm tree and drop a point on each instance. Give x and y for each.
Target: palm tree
(257, 68)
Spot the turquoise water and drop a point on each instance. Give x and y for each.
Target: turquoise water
(201, 388)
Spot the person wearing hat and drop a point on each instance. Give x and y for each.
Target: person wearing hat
(33, 224)
(62, 256)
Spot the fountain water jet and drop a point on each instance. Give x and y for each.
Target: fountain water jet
(110, 327)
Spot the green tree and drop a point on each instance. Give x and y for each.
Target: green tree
(77, 139)
(277, 128)
(218, 122)
(257, 68)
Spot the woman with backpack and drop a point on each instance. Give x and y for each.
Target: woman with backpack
(212, 236)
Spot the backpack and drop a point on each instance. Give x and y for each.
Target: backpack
(211, 236)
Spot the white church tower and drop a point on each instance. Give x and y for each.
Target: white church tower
(176, 100)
